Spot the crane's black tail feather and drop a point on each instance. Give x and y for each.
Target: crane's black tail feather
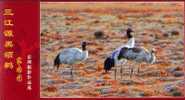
(108, 64)
(57, 62)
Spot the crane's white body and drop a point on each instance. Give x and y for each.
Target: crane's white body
(72, 56)
(140, 55)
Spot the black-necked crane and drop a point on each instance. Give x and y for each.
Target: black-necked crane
(113, 60)
(71, 56)
(138, 55)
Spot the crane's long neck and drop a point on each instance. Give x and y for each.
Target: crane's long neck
(84, 47)
(129, 35)
(131, 43)
(152, 58)
(84, 52)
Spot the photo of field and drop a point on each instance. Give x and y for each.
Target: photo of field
(101, 27)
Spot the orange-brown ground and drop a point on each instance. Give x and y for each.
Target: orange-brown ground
(156, 25)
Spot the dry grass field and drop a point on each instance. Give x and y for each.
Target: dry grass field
(156, 25)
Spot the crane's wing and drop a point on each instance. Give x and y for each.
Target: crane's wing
(129, 44)
(132, 53)
(68, 56)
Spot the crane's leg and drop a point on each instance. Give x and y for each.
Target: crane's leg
(138, 69)
(72, 72)
(121, 71)
(131, 72)
(115, 71)
(122, 68)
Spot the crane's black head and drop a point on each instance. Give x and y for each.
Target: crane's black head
(108, 64)
(84, 43)
(129, 31)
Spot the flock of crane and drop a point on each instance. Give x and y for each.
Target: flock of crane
(124, 53)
